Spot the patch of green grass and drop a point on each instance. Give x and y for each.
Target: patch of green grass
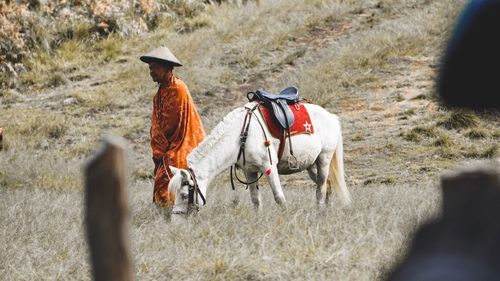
(71, 51)
(50, 69)
(459, 120)
(109, 48)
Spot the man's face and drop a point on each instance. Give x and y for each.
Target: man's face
(158, 72)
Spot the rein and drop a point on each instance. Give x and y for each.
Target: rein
(243, 139)
(193, 192)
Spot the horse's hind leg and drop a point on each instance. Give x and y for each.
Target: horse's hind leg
(254, 191)
(313, 173)
(322, 170)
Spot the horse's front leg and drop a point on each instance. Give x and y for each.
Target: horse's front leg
(274, 181)
(254, 190)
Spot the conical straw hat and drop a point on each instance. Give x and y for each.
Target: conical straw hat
(162, 54)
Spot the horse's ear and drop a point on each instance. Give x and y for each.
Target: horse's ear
(174, 170)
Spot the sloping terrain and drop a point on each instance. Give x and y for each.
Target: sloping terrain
(372, 63)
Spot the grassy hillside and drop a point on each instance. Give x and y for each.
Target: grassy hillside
(371, 62)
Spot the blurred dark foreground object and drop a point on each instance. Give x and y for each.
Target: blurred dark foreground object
(469, 76)
(464, 243)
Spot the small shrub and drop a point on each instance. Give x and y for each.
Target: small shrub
(71, 51)
(447, 153)
(411, 136)
(358, 138)
(399, 97)
(496, 134)
(443, 140)
(416, 133)
(488, 152)
(142, 174)
(460, 120)
(57, 79)
(477, 133)
(421, 97)
(426, 131)
(186, 9)
(369, 181)
(109, 48)
(290, 59)
(7, 97)
(388, 180)
(406, 114)
(56, 130)
(190, 25)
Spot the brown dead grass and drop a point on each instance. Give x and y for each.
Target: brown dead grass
(364, 60)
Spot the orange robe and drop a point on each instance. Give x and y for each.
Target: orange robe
(176, 129)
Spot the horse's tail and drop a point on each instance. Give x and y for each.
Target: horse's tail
(336, 175)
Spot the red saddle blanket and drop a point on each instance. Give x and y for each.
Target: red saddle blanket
(302, 122)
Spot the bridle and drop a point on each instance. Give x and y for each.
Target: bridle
(243, 139)
(194, 193)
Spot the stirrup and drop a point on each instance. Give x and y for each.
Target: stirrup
(292, 162)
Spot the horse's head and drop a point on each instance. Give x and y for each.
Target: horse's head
(179, 184)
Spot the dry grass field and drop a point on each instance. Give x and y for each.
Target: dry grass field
(373, 63)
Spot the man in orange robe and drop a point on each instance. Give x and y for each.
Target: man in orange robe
(176, 127)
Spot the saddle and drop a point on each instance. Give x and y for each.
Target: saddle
(278, 104)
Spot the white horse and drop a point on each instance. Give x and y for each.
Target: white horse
(321, 154)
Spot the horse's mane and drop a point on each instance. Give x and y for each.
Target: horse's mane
(215, 135)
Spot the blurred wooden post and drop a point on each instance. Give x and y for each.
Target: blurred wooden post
(471, 195)
(467, 233)
(1, 138)
(107, 212)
